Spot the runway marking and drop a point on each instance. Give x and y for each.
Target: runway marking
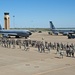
(54, 70)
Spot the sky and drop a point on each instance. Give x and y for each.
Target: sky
(38, 13)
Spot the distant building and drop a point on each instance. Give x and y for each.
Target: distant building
(6, 21)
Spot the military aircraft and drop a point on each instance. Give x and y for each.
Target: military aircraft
(16, 33)
(61, 31)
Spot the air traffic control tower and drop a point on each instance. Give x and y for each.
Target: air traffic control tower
(6, 21)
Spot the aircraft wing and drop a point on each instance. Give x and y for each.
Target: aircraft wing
(71, 32)
(9, 34)
(66, 33)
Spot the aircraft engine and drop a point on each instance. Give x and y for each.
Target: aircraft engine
(56, 33)
(5, 35)
(65, 33)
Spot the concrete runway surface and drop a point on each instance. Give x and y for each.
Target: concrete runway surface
(20, 62)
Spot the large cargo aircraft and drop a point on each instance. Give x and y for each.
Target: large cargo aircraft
(16, 33)
(62, 31)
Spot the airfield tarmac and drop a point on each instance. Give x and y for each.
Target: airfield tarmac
(20, 62)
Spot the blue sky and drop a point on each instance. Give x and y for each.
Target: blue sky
(38, 13)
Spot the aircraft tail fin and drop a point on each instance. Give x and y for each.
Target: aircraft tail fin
(51, 25)
(0, 27)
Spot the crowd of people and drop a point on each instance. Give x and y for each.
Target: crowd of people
(42, 46)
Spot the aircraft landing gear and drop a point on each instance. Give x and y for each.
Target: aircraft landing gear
(17, 36)
(25, 37)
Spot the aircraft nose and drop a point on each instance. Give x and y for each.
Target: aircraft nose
(30, 33)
